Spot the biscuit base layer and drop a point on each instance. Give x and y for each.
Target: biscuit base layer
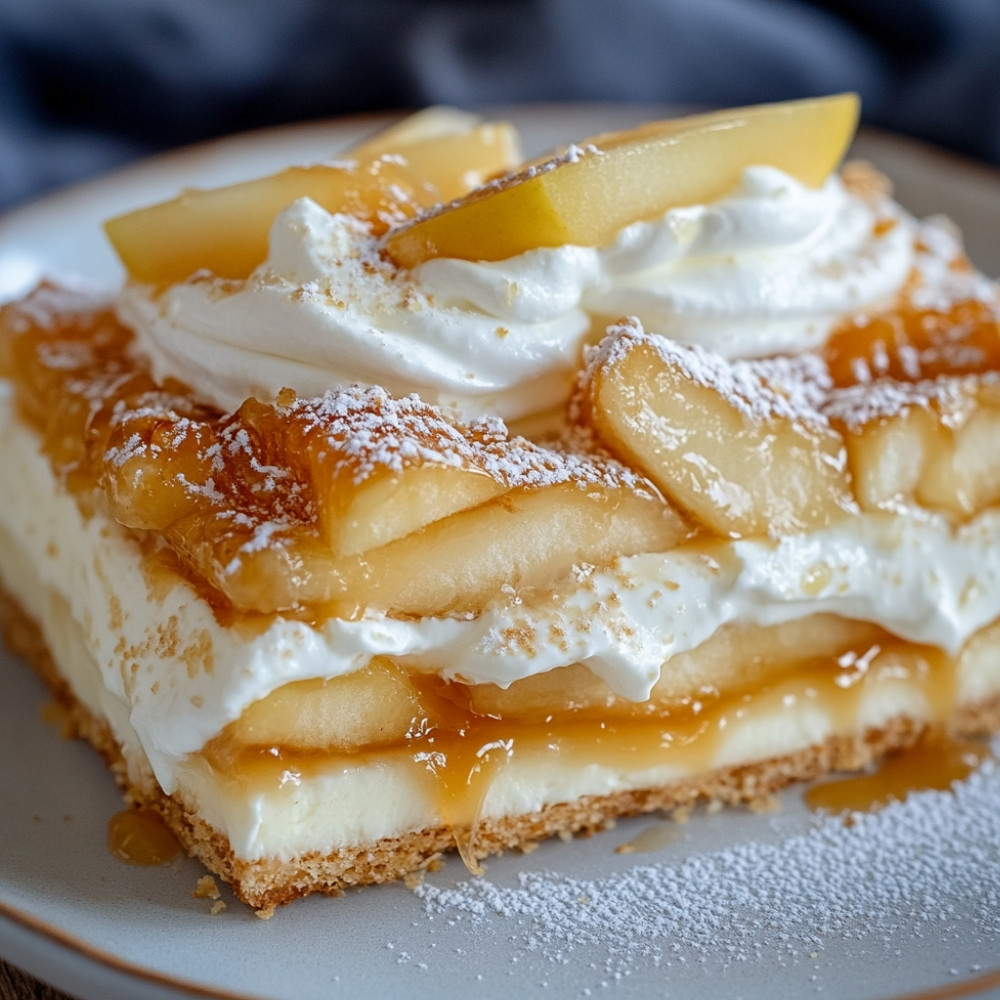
(265, 884)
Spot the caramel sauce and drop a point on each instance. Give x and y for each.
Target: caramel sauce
(141, 837)
(910, 343)
(936, 761)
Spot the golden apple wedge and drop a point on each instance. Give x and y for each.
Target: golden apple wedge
(453, 150)
(589, 193)
(355, 517)
(225, 230)
(428, 123)
(520, 541)
(370, 707)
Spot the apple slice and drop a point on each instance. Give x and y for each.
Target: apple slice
(588, 194)
(372, 707)
(521, 541)
(452, 150)
(380, 468)
(733, 660)
(225, 230)
(740, 446)
(357, 516)
(931, 442)
(428, 123)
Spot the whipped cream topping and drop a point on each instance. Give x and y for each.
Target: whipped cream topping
(770, 268)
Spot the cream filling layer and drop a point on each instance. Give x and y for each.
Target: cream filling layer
(171, 676)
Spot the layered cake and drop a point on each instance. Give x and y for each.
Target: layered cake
(427, 499)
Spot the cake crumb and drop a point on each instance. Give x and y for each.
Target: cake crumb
(217, 908)
(207, 888)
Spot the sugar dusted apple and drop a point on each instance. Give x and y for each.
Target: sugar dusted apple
(381, 468)
(358, 500)
(932, 443)
(742, 447)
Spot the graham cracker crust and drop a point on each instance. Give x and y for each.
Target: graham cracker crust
(268, 883)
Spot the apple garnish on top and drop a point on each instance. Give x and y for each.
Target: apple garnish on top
(588, 193)
(430, 157)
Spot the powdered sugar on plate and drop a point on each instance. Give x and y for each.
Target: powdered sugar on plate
(926, 868)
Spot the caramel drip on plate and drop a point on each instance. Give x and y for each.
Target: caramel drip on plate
(936, 761)
(141, 837)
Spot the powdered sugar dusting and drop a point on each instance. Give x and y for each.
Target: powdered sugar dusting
(951, 397)
(789, 388)
(370, 430)
(928, 867)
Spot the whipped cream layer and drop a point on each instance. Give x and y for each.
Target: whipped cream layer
(171, 676)
(771, 268)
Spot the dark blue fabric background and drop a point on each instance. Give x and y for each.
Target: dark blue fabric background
(87, 84)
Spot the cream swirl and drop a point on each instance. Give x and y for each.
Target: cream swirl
(770, 268)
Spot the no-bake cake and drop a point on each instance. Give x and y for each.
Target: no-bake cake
(427, 499)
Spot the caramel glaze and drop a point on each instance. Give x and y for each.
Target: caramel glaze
(908, 344)
(141, 837)
(462, 753)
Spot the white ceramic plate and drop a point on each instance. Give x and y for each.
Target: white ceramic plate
(74, 916)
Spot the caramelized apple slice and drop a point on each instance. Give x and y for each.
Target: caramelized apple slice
(371, 707)
(259, 566)
(380, 468)
(520, 541)
(587, 195)
(930, 442)
(152, 464)
(734, 659)
(356, 517)
(742, 447)
(225, 230)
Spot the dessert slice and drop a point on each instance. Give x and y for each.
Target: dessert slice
(329, 636)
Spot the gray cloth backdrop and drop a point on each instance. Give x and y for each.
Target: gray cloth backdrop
(88, 84)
